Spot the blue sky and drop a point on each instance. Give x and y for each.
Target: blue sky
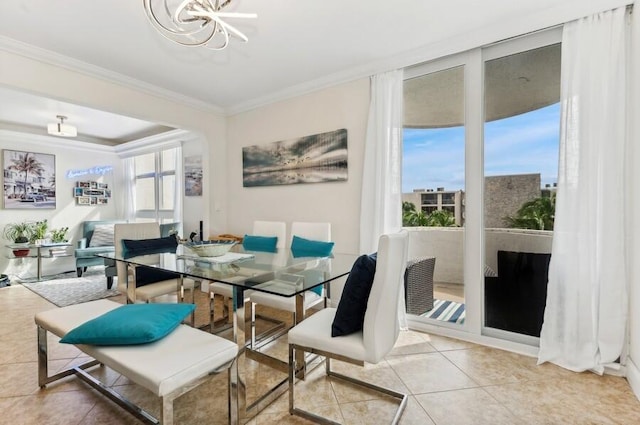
(522, 144)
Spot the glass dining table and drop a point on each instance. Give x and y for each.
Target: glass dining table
(279, 273)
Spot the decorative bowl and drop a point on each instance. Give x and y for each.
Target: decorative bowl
(213, 248)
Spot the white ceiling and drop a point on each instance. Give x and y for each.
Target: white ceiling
(293, 45)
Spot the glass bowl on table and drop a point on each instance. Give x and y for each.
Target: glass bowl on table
(212, 248)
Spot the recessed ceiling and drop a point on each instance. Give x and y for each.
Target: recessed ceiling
(293, 45)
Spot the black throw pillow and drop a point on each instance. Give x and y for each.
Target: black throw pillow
(349, 316)
(135, 247)
(147, 275)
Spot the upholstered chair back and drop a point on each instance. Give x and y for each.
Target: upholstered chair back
(316, 231)
(381, 326)
(131, 231)
(271, 228)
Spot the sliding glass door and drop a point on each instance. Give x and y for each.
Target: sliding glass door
(481, 154)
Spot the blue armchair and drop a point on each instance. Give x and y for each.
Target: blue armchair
(85, 253)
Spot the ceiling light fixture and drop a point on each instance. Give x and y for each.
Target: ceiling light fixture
(195, 23)
(61, 129)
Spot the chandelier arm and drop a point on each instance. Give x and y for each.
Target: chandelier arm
(197, 23)
(177, 32)
(223, 25)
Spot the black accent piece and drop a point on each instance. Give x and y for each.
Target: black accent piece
(515, 300)
(349, 316)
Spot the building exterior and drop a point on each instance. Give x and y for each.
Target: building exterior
(503, 196)
(429, 201)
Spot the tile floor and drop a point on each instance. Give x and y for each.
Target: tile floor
(449, 382)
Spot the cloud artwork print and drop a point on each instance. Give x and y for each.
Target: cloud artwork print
(310, 159)
(29, 180)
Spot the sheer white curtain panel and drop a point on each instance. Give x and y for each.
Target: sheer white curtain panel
(129, 170)
(381, 199)
(587, 303)
(179, 187)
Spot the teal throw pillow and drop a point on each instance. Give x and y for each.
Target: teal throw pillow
(130, 324)
(301, 247)
(260, 243)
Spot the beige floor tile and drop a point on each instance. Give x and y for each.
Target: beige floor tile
(414, 414)
(61, 408)
(473, 406)
(431, 372)
(381, 374)
(370, 412)
(489, 366)
(410, 342)
(443, 343)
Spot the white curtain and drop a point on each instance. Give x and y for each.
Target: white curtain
(179, 188)
(381, 202)
(129, 189)
(587, 305)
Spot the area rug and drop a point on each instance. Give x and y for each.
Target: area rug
(67, 289)
(446, 311)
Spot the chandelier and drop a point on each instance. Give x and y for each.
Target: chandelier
(61, 129)
(195, 23)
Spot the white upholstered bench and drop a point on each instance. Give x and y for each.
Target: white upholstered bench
(170, 367)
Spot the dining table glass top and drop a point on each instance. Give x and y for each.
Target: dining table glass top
(280, 273)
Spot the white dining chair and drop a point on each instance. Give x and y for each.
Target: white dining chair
(144, 293)
(319, 231)
(378, 336)
(224, 291)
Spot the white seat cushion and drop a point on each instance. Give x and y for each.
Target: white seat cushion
(284, 303)
(153, 290)
(186, 354)
(315, 332)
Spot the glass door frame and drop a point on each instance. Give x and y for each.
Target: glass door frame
(474, 240)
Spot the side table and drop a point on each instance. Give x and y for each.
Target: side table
(48, 250)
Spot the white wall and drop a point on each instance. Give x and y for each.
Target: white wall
(343, 106)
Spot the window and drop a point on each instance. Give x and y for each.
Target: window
(155, 181)
(481, 133)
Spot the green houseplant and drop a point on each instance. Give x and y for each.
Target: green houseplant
(18, 232)
(59, 235)
(39, 230)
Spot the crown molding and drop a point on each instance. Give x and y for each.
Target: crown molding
(46, 56)
(168, 139)
(18, 137)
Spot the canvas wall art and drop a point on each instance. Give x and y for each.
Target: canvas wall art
(29, 180)
(310, 159)
(193, 175)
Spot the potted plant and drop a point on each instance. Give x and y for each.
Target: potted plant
(39, 232)
(59, 235)
(19, 233)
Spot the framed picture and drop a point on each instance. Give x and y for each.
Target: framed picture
(193, 175)
(77, 191)
(29, 180)
(84, 200)
(93, 185)
(83, 184)
(107, 193)
(311, 159)
(102, 201)
(93, 200)
(102, 185)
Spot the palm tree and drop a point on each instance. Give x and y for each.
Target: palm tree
(536, 214)
(415, 218)
(28, 165)
(441, 218)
